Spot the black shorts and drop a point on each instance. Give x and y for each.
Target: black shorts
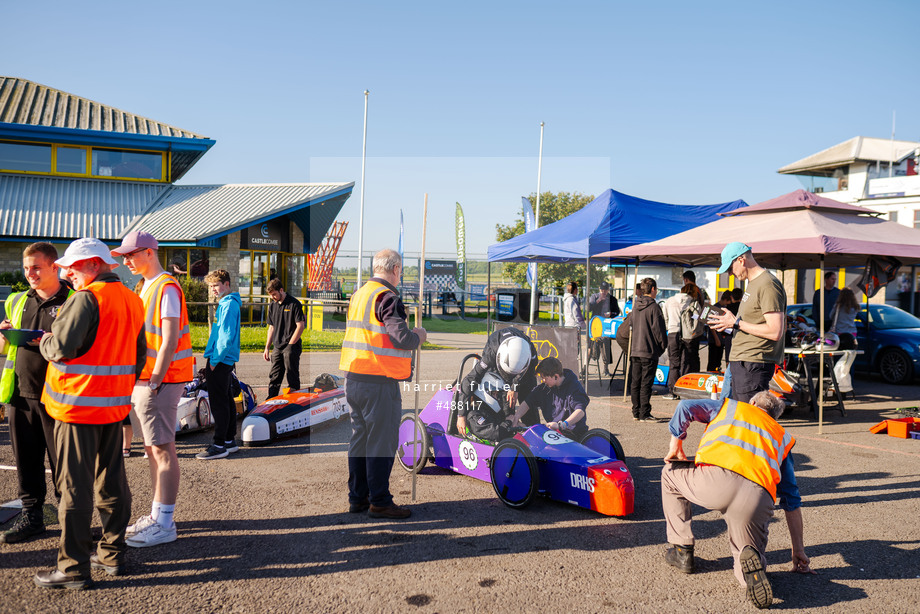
(749, 378)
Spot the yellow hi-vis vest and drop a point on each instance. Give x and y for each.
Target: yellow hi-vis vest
(367, 348)
(95, 388)
(746, 440)
(182, 367)
(15, 305)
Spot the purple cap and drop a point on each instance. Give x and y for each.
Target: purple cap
(134, 241)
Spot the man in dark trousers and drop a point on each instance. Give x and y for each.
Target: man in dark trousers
(31, 428)
(605, 305)
(648, 339)
(285, 326)
(376, 356)
(96, 351)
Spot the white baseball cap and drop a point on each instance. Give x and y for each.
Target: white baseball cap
(85, 249)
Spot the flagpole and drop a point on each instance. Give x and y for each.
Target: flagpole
(536, 224)
(418, 352)
(361, 215)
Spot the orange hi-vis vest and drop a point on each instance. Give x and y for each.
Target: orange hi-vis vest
(95, 388)
(746, 440)
(367, 348)
(182, 367)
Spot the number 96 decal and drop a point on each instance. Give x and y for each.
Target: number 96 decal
(468, 455)
(554, 439)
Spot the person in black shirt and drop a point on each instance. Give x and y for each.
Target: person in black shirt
(31, 428)
(603, 304)
(285, 326)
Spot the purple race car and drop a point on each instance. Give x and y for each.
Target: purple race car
(590, 473)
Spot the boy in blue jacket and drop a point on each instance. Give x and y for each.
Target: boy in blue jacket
(222, 352)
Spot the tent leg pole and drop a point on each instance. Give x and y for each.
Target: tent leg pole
(820, 315)
(488, 296)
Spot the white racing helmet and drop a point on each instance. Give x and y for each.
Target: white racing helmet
(831, 342)
(513, 355)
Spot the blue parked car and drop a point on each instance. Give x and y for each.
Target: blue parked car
(891, 342)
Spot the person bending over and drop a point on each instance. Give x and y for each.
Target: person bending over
(560, 398)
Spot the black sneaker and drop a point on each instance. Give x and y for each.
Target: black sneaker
(231, 446)
(213, 451)
(759, 590)
(670, 397)
(681, 557)
(26, 527)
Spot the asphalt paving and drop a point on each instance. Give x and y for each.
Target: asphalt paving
(267, 529)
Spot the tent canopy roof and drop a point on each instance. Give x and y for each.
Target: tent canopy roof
(783, 236)
(611, 221)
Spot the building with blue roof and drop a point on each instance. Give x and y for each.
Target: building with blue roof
(71, 167)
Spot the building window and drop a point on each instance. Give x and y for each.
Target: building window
(917, 218)
(127, 164)
(893, 216)
(183, 261)
(70, 160)
(54, 159)
(25, 157)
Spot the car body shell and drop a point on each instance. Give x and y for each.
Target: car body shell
(568, 471)
(292, 414)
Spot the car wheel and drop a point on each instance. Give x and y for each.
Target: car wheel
(895, 367)
(514, 473)
(604, 442)
(414, 444)
(203, 413)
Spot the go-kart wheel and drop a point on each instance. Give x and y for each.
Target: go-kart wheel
(414, 444)
(514, 473)
(203, 413)
(604, 442)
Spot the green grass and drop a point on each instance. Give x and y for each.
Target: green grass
(436, 325)
(252, 339)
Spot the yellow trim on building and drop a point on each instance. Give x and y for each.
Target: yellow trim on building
(165, 161)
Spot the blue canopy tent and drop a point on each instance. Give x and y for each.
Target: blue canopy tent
(611, 221)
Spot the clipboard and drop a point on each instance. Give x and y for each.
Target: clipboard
(21, 336)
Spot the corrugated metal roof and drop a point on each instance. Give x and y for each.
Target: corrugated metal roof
(195, 213)
(59, 208)
(26, 102)
(316, 220)
(858, 148)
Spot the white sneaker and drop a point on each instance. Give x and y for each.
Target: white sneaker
(153, 535)
(142, 523)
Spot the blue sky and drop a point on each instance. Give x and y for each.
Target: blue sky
(681, 102)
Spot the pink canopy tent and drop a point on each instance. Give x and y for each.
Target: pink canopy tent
(796, 230)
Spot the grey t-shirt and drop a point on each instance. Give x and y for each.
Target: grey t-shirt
(764, 294)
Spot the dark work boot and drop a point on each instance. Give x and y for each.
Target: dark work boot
(680, 557)
(759, 590)
(27, 525)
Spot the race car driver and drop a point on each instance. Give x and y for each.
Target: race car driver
(505, 374)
